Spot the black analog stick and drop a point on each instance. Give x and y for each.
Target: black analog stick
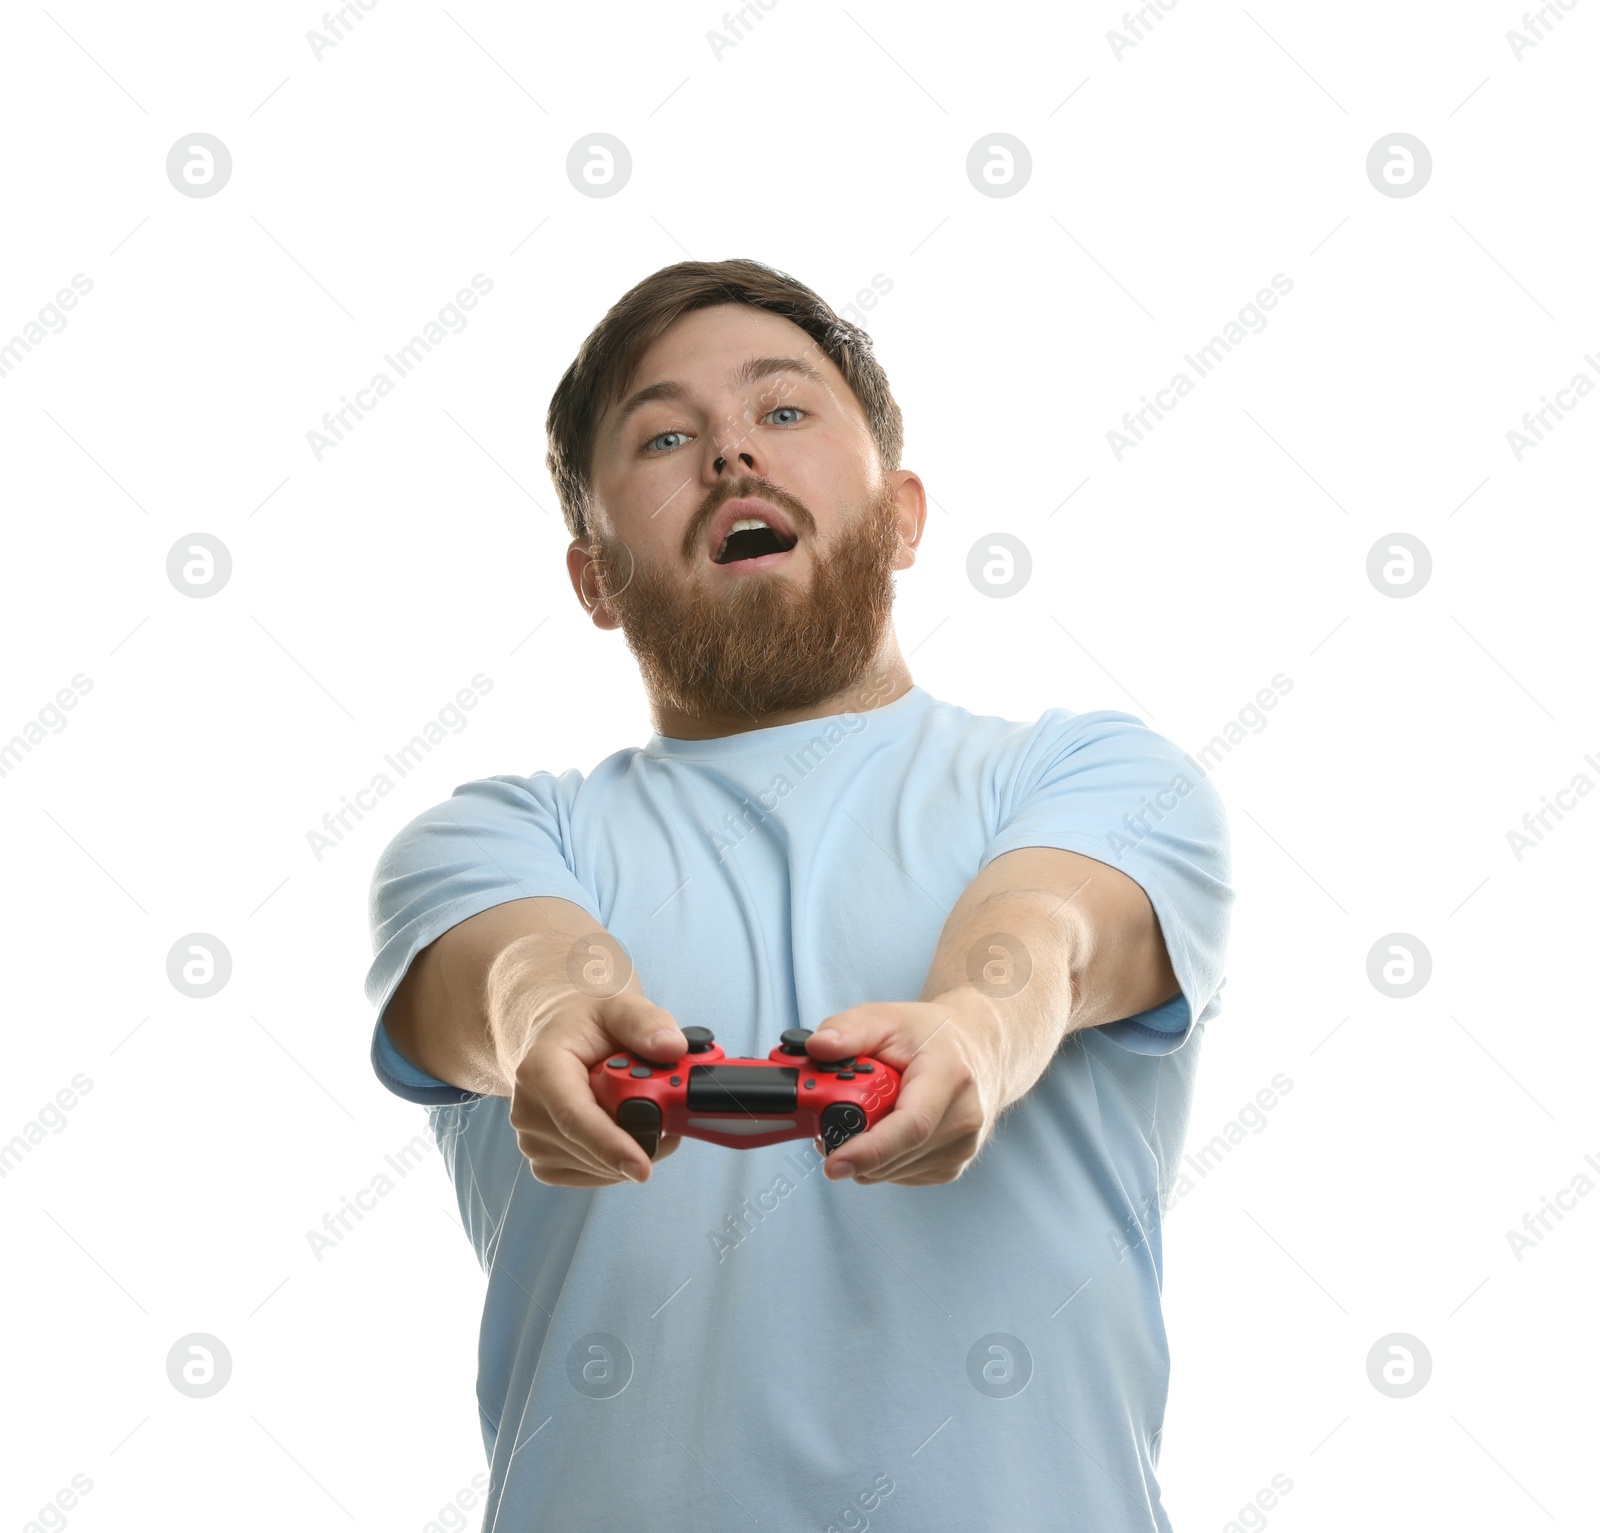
(841, 1121)
(700, 1039)
(793, 1040)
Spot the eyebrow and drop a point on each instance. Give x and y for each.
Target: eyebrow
(752, 371)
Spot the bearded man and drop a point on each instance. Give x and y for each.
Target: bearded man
(949, 1319)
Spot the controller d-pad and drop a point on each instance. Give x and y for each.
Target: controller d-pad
(641, 1072)
(618, 1063)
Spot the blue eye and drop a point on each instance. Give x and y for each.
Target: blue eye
(650, 448)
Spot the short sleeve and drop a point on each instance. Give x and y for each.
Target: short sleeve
(492, 841)
(1106, 786)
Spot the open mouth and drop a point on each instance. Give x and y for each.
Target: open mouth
(751, 538)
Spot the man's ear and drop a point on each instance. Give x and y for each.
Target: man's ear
(911, 514)
(582, 571)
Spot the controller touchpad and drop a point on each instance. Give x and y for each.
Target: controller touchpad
(743, 1088)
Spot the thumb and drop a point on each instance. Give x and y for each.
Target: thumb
(642, 1027)
(843, 1036)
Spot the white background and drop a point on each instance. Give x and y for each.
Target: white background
(1168, 186)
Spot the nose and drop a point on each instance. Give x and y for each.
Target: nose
(744, 458)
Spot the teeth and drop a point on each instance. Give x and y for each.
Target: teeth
(744, 524)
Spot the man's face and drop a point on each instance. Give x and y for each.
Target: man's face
(755, 422)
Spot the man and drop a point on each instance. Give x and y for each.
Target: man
(952, 1321)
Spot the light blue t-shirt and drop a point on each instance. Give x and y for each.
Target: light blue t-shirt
(738, 1342)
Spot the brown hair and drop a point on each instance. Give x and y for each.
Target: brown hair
(608, 359)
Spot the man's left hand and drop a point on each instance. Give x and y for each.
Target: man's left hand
(948, 1054)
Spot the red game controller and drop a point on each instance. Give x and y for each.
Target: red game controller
(744, 1103)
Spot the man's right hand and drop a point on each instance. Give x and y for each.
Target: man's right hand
(521, 1001)
(569, 1139)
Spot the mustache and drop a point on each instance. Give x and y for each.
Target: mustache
(739, 489)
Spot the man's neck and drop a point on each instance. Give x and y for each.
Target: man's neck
(886, 680)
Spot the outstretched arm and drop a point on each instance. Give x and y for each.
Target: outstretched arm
(1041, 944)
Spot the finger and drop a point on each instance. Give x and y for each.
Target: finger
(544, 1145)
(592, 1137)
(957, 1133)
(564, 1176)
(547, 1147)
(849, 1034)
(897, 1145)
(947, 1155)
(547, 1154)
(832, 1042)
(642, 1028)
(546, 1091)
(906, 1131)
(946, 1150)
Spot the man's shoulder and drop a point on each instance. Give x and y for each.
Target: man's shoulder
(1111, 732)
(502, 801)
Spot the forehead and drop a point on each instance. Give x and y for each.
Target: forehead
(726, 347)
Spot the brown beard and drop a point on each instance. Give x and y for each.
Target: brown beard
(763, 646)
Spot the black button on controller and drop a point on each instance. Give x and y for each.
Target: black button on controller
(643, 1121)
(640, 1072)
